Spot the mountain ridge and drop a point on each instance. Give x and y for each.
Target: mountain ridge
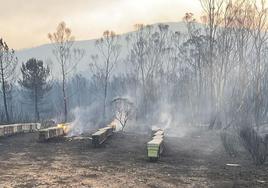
(44, 51)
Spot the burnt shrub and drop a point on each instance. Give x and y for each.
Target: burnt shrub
(230, 143)
(254, 144)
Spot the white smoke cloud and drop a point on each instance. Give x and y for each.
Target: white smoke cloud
(85, 119)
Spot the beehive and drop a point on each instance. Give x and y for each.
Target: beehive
(11, 129)
(155, 146)
(109, 130)
(155, 129)
(49, 133)
(158, 136)
(159, 132)
(102, 135)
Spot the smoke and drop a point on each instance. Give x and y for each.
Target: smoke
(171, 120)
(85, 119)
(118, 126)
(164, 122)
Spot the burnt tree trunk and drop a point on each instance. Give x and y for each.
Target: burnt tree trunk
(4, 92)
(36, 110)
(64, 95)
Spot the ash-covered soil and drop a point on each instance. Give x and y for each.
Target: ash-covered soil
(194, 160)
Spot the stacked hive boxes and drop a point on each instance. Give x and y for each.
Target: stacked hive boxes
(53, 132)
(30, 127)
(155, 146)
(8, 130)
(101, 135)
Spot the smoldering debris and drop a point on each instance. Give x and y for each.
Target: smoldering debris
(85, 120)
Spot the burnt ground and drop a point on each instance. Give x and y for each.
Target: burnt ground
(196, 160)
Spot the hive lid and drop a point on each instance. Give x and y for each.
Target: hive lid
(155, 141)
(50, 128)
(158, 136)
(105, 128)
(160, 132)
(99, 132)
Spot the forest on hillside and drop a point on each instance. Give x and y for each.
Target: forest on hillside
(214, 74)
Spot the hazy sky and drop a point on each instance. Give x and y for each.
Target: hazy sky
(25, 23)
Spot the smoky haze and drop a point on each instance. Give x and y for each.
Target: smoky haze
(41, 17)
(206, 73)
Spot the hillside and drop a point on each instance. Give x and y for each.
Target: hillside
(44, 52)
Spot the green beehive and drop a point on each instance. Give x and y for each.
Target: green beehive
(154, 148)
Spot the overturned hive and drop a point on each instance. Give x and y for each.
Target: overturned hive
(109, 130)
(156, 146)
(102, 135)
(12, 129)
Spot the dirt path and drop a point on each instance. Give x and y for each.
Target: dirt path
(197, 160)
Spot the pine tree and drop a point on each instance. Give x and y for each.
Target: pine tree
(35, 78)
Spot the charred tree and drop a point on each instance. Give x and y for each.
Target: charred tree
(123, 110)
(8, 63)
(104, 62)
(66, 55)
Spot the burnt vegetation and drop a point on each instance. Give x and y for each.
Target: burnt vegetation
(215, 73)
